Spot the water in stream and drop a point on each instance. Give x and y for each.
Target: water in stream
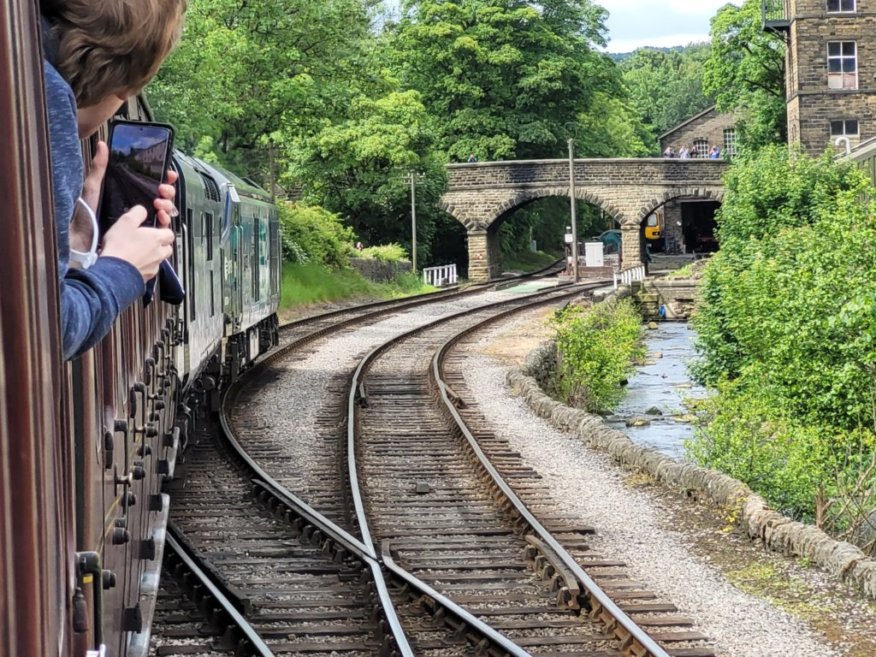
(663, 384)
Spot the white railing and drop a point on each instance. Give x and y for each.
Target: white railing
(630, 276)
(440, 276)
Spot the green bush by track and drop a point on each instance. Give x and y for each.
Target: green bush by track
(597, 348)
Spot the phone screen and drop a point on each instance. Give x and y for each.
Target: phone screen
(138, 161)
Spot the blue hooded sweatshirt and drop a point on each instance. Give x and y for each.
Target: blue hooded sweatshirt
(91, 299)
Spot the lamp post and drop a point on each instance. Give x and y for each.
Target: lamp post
(574, 209)
(412, 179)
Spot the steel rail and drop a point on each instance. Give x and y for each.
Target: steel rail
(357, 395)
(465, 616)
(256, 643)
(594, 591)
(279, 491)
(429, 297)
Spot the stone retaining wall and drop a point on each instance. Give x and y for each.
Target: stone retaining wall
(380, 271)
(774, 530)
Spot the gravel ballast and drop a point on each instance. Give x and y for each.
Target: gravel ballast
(589, 485)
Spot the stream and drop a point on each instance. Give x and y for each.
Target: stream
(662, 384)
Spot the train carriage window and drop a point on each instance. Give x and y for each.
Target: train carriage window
(208, 234)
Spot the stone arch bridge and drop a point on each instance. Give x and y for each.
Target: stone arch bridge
(481, 195)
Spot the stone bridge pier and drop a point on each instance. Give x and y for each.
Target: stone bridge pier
(482, 195)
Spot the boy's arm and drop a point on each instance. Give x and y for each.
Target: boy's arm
(91, 300)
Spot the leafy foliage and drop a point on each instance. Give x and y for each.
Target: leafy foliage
(666, 86)
(313, 234)
(385, 252)
(596, 349)
(788, 329)
(503, 76)
(357, 167)
(745, 73)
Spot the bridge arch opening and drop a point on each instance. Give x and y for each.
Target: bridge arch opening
(682, 224)
(539, 225)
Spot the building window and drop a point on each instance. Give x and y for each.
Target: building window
(730, 142)
(840, 6)
(701, 148)
(844, 128)
(842, 65)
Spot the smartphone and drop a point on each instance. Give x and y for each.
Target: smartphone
(139, 156)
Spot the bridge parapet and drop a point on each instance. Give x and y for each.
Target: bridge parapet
(588, 172)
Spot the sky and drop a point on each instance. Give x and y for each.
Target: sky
(636, 23)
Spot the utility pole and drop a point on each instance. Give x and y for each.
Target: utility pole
(574, 207)
(413, 178)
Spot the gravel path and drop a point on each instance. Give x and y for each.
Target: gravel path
(589, 485)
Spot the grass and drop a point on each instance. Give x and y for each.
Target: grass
(527, 261)
(308, 284)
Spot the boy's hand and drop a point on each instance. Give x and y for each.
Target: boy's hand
(164, 203)
(143, 247)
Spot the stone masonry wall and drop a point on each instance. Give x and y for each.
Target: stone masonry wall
(709, 126)
(379, 270)
(754, 517)
(812, 27)
(480, 195)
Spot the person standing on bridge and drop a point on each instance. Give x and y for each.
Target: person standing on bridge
(715, 153)
(472, 158)
(684, 153)
(669, 152)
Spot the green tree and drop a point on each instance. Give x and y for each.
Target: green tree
(249, 75)
(746, 74)
(504, 77)
(666, 87)
(357, 168)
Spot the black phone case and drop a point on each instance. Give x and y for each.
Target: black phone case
(105, 221)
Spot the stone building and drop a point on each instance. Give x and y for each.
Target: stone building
(706, 129)
(688, 224)
(831, 69)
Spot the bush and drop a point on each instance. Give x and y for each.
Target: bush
(596, 349)
(313, 234)
(787, 334)
(386, 253)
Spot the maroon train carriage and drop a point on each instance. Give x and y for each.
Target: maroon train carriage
(87, 445)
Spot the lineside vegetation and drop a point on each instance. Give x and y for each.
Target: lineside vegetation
(596, 350)
(787, 336)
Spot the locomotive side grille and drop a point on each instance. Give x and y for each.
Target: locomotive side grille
(211, 189)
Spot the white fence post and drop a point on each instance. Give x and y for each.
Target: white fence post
(441, 276)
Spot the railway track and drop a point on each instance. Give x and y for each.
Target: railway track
(444, 519)
(235, 537)
(496, 567)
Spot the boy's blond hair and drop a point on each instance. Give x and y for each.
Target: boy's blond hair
(110, 47)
